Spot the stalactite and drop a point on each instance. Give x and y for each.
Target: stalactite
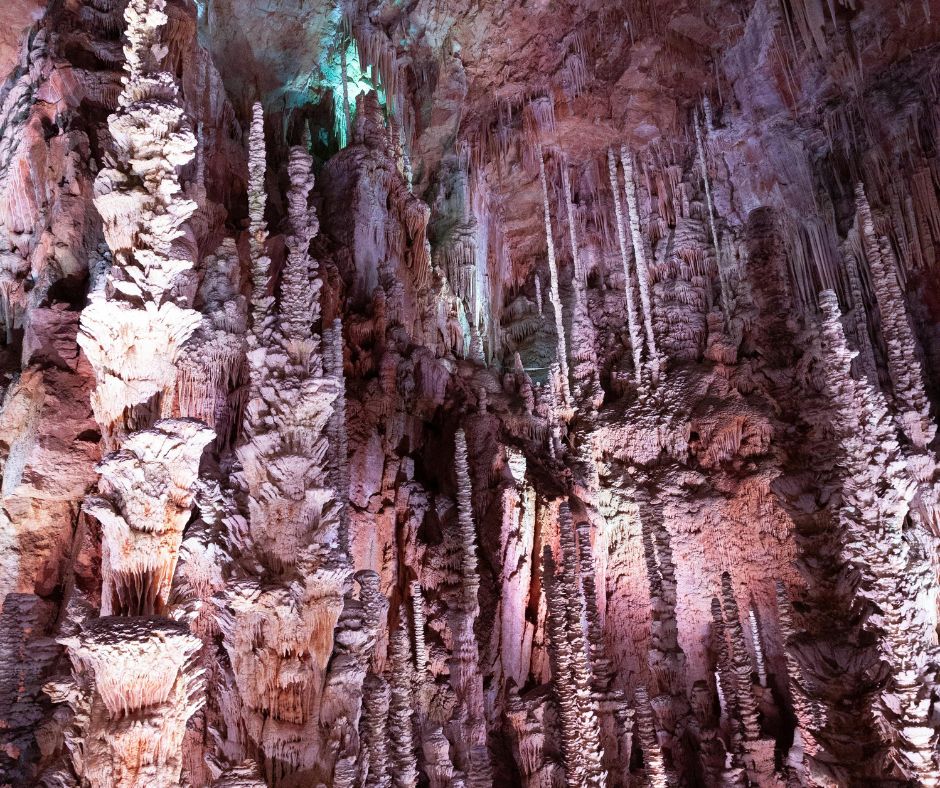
(553, 292)
(904, 367)
(345, 76)
(583, 334)
(763, 456)
(891, 552)
(726, 298)
(639, 259)
(636, 338)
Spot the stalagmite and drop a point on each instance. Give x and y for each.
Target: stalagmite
(517, 537)
(724, 674)
(907, 377)
(134, 684)
(561, 357)
(244, 775)
(144, 501)
(470, 720)
(639, 259)
(133, 328)
(740, 661)
(869, 366)
(421, 652)
(636, 338)
(578, 677)
(653, 763)
(374, 735)
(758, 648)
(278, 628)
(890, 552)
(325, 232)
(806, 712)
(400, 724)
(565, 691)
(261, 299)
(600, 668)
(339, 441)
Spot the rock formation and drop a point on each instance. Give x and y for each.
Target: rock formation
(469, 394)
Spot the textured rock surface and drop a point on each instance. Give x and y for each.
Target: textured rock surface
(457, 393)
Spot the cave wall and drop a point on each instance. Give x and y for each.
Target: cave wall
(492, 393)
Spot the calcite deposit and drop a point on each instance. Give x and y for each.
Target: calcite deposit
(442, 393)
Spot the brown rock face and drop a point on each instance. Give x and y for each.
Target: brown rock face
(450, 393)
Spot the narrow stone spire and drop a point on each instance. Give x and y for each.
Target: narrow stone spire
(653, 763)
(261, 298)
(740, 661)
(639, 258)
(400, 723)
(467, 681)
(133, 329)
(553, 293)
(897, 581)
(904, 368)
(339, 440)
(719, 260)
(633, 325)
(560, 655)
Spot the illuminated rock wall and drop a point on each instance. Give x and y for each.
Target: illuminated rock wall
(469, 394)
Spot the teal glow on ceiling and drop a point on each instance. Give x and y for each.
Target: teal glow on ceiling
(359, 80)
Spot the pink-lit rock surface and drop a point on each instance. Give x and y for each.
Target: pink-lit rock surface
(489, 393)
